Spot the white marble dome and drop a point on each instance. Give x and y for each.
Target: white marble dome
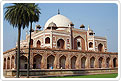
(59, 20)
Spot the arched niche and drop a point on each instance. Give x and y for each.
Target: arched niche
(62, 62)
(83, 62)
(23, 62)
(79, 43)
(61, 44)
(50, 62)
(100, 47)
(37, 61)
(73, 62)
(92, 62)
(38, 44)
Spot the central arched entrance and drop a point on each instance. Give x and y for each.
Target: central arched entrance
(61, 44)
(62, 62)
(79, 43)
(37, 61)
(50, 62)
(73, 62)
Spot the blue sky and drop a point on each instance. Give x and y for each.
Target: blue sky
(102, 18)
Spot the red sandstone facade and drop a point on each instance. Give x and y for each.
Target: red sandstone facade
(61, 46)
(61, 59)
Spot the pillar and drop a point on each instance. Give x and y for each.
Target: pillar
(96, 63)
(104, 62)
(44, 61)
(111, 63)
(78, 63)
(10, 62)
(68, 62)
(14, 62)
(31, 60)
(6, 63)
(87, 63)
(56, 62)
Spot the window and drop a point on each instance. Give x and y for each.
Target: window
(61, 43)
(90, 45)
(31, 43)
(38, 43)
(100, 47)
(90, 33)
(78, 44)
(47, 40)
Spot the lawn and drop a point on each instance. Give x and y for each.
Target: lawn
(91, 76)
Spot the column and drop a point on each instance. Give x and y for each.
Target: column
(111, 63)
(56, 62)
(31, 60)
(104, 62)
(14, 62)
(10, 62)
(96, 63)
(44, 61)
(78, 63)
(68, 62)
(6, 62)
(87, 63)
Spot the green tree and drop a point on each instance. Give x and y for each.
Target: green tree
(34, 17)
(20, 15)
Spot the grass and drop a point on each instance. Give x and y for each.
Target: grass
(90, 76)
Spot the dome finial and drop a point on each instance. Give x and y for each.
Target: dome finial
(58, 11)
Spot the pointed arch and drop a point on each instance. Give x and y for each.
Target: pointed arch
(107, 62)
(37, 61)
(114, 62)
(62, 61)
(61, 44)
(50, 62)
(100, 47)
(4, 66)
(83, 62)
(12, 62)
(8, 63)
(38, 44)
(23, 62)
(79, 43)
(73, 62)
(90, 45)
(92, 62)
(47, 40)
(100, 60)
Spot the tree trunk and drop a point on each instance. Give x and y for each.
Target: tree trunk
(18, 52)
(28, 65)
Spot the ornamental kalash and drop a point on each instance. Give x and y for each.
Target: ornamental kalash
(61, 49)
